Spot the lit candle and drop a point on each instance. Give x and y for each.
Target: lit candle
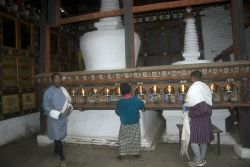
(169, 88)
(154, 88)
(95, 90)
(73, 92)
(107, 91)
(213, 87)
(183, 88)
(229, 87)
(83, 92)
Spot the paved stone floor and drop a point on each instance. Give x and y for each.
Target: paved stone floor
(26, 153)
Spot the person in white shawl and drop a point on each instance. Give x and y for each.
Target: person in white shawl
(199, 129)
(56, 106)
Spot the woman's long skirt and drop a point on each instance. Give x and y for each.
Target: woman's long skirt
(129, 139)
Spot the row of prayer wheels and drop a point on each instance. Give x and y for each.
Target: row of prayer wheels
(141, 90)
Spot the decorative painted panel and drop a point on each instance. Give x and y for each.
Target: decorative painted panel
(10, 103)
(28, 101)
(9, 71)
(25, 65)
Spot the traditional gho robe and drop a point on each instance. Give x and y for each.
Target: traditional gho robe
(199, 99)
(55, 101)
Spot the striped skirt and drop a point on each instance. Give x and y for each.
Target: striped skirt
(129, 139)
(200, 124)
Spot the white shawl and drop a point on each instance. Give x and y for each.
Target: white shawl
(197, 93)
(185, 136)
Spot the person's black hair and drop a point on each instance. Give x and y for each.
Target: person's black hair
(55, 74)
(196, 74)
(125, 88)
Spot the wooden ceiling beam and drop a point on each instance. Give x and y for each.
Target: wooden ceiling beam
(91, 16)
(138, 9)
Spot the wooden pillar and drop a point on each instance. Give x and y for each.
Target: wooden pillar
(244, 126)
(54, 12)
(129, 33)
(47, 49)
(41, 65)
(43, 22)
(239, 40)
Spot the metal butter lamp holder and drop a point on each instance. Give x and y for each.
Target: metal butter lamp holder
(229, 88)
(83, 95)
(169, 94)
(117, 95)
(73, 94)
(155, 94)
(215, 94)
(107, 93)
(182, 91)
(140, 91)
(93, 96)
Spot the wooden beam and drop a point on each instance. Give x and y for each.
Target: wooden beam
(239, 39)
(173, 4)
(224, 54)
(129, 34)
(91, 16)
(138, 9)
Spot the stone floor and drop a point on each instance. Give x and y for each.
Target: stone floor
(26, 153)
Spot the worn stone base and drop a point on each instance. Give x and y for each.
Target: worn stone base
(242, 152)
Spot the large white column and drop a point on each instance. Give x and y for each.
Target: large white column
(105, 49)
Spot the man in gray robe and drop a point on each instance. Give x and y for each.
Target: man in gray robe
(54, 101)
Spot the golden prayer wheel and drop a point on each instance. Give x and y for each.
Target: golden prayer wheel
(140, 90)
(93, 91)
(82, 92)
(183, 89)
(106, 91)
(154, 89)
(229, 87)
(213, 87)
(169, 90)
(73, 92)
